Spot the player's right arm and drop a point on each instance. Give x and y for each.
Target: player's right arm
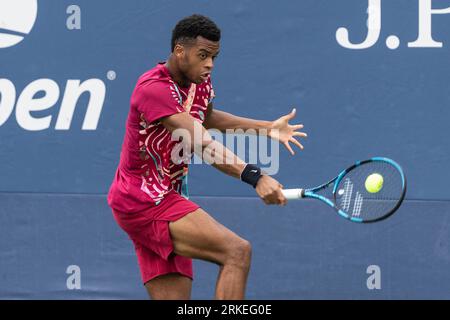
(198, 139)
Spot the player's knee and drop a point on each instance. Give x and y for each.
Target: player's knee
(240, 253)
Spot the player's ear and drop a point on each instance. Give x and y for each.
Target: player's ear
(179, 51)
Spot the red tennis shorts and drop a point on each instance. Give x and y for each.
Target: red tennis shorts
(149, 231)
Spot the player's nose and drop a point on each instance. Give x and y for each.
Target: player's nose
(209, 64)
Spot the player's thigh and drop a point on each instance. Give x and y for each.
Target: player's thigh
(172, 286)
(199, 236)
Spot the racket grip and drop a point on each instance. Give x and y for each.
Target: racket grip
(292, 194)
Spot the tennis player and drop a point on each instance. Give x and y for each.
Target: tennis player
(147, 195)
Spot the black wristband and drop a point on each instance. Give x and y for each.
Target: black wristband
(251, 174)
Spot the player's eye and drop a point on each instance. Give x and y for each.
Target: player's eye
(203, 56)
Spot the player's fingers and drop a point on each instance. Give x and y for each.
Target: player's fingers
(286, 144)
(272, 197)
(269, 198)
(281, 198)
(292, 114)
(297, 126)
(300, 134)
(271, 201)
(265, 200)
(294, 141)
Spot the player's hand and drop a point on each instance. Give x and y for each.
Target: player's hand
(269, 191)
(282, 131)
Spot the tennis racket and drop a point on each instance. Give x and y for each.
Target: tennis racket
(348, 195)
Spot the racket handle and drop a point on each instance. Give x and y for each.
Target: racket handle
(292, 194)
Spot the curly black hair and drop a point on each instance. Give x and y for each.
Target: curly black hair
(189, 28)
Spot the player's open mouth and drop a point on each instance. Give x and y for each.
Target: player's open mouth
(205, 76)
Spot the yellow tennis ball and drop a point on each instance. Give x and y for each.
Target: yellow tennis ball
(374, 183)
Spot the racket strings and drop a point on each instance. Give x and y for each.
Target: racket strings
(353, 198)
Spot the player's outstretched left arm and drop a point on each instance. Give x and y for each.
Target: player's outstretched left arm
(280, 129)
(197, 139)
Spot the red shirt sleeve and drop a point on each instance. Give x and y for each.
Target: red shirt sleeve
(158, 100)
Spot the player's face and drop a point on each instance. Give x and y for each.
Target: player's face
(198, 59)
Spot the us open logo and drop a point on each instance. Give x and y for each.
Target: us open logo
(17, 18)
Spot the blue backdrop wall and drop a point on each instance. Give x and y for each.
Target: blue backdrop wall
(58, 238)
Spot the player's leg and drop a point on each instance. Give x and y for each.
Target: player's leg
(172, 286)
(197, 235)
(165, 275)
